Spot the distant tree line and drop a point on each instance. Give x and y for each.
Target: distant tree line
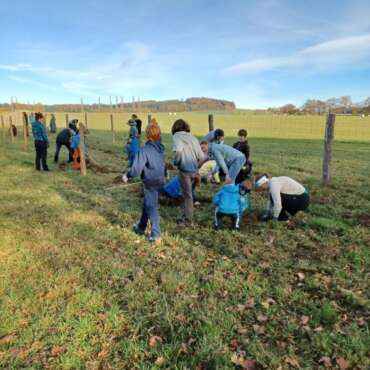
(188, 105)
(342, 105)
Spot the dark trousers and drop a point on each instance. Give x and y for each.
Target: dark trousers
(186, 181)
(292, 204)
(41, 155)
(57, 150)
(150, 211)
(235, 217)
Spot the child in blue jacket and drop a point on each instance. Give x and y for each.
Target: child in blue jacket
(232, 201)
(149, 164)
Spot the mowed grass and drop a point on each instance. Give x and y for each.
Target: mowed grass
(80, 290)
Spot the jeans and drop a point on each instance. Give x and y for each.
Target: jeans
(235, 167)
(150, 211)
(57, 150)
(186, 181)
(41, 155)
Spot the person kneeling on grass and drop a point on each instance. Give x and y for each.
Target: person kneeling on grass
(232, 201)
(286, 197)
(149, 163)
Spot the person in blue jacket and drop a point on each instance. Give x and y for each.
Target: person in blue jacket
(41, 142)
(133, 143)
(149, 164)
(231, 201)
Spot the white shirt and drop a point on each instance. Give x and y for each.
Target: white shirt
(282, 185)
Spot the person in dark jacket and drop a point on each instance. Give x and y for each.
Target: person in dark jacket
(243, 147)
(41, 142)
(138, 123)
(149, 164)
(53, 124)
(64, 138)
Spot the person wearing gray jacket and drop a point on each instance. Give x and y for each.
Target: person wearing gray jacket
(228, 159)
(187, 155)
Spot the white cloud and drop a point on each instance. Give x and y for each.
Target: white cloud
(333, 53)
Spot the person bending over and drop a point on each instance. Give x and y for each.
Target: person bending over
(215, 136)
(228, 159)
(187, 155)
(231, 201)
(285, 197)
(149, 164)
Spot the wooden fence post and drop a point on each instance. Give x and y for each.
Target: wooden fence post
(86, 120)
(25, 131)
(11, 128)
(67, 120)
(210, 122)
(3, 127)
(82, 149)
(149, 118)
(112, 127)
(329, 136)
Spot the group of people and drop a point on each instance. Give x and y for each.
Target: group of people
(68, 137)
(210, 160)
(213, 161)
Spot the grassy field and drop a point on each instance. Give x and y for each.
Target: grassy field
(79, 290)
(348, 128)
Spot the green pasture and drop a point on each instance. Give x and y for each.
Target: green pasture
(79, 290)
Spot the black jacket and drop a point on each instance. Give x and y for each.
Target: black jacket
(64, 137)
(243, 147)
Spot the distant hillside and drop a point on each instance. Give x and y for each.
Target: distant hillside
(190, 104)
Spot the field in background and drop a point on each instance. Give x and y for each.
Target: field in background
(351, 128)
(348, 128)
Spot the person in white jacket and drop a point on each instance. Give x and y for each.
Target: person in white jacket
(285, 197)
(187, 155)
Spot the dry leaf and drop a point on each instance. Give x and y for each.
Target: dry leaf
(154, 340)
(251, 277)
(244, 364)
(103, 354)
(243, 330)
(259, 329)
(326, 362)
(7, 339)
(292, 361)
(304, 320)
(234, 343)
(261, 318)
(343, 364)
(56, 350)
(300, 276)
(160, 361)
(250, 303)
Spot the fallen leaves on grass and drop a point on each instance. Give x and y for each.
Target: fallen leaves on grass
(292, 361)
(56, 350)
(245, 364)
(342, 363)
(154, 340)
(326, 361)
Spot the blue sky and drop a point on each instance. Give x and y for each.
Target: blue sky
(258, 53)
